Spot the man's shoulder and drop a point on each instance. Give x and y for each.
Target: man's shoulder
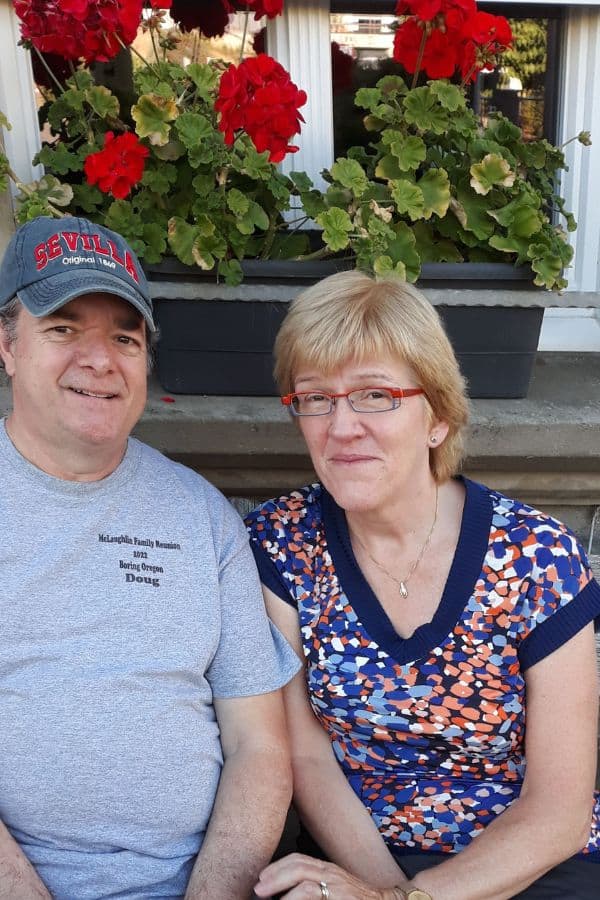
(167, 474)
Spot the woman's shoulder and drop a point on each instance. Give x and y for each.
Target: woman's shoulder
(527, 540)
(300, 509)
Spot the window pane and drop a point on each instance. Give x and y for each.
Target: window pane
(523, 88)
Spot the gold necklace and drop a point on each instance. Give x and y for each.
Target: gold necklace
(402, 582)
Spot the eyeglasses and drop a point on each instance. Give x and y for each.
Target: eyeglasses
(363, 400)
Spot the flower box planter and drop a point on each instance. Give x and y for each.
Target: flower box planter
(217, 339)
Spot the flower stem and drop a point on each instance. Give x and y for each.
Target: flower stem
(419, 59)
(135, 52)
(49, 70)
(245, 32)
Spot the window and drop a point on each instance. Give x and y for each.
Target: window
(524, 89)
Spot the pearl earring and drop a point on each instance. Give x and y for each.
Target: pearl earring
(433, 439)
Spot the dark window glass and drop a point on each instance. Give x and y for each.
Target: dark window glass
(524, 88)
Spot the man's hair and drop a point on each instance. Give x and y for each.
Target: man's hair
(9, 316)
(351, 317)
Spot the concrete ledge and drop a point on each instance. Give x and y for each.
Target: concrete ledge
(544, 449)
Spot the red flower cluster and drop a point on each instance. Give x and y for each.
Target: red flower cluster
(457, 36)
(92, 29)
(119, 166)
(212, 18)
(259, 96)
(269, 8)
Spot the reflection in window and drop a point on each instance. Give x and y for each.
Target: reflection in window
(522, 89)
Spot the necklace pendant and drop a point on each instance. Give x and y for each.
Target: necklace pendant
(403, 590)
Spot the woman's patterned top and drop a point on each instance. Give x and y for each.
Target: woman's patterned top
(429, 730)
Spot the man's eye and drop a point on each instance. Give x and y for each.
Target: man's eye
(61, 329)
(128, 340)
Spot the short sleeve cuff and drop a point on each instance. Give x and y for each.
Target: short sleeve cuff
(270, 575)
(562, 626)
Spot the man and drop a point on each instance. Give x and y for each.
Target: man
(138, 674)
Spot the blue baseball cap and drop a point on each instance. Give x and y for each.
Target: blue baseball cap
(49, 262)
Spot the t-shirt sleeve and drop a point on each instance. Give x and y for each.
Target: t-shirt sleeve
(252, 657)
(563, 596)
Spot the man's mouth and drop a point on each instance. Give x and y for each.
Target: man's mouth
(95, 394)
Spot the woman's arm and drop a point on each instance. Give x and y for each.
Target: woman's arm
(326, 803)
(551, 819)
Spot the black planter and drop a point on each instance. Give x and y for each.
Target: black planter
(219, 340)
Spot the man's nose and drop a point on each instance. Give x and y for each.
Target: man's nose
(95, 351)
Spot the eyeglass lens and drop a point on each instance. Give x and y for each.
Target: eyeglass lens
(366, 400)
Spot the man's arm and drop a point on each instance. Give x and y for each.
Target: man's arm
(18, 878)
(254, 794)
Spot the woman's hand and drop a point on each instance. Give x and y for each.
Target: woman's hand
(299, 877)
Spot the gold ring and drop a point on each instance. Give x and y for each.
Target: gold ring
(324, 890)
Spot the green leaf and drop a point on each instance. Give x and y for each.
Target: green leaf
(368, 98)
(336, 225)
(475, 209)
(351, 175)
(237, 202)
(205, 79)
(432, 248)
(156, 243)
(230, 271)
(58, 158)
(491, 171)
(159, 178)
(410, 151)
(408, 198)
(102, 101)
(423, 110)
(50, 188)
(193, 129)
(373, 123)
(302, 181)
(388, 167)
(519, 217)
(392, 86)
(436, 192)
(4, 123)
(449, 95)
(402, 249)
(152, 115)
(170, 152)
(548, 268)
(87, 197)
(384, 266)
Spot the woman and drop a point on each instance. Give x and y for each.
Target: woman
(431, 613)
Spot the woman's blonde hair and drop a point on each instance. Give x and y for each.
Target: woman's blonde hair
(350, 316)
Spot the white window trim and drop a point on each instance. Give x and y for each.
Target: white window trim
(17, 98)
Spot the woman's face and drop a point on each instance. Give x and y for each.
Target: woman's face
(368, 461)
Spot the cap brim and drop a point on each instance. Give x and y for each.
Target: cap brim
(45, 297)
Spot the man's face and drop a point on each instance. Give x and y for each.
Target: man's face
(78, 381)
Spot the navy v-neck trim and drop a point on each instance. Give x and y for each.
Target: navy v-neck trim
(472, 546)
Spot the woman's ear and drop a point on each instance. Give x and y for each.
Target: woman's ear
(438, 433)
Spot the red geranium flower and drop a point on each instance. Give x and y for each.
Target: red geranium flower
(259, 97)
(92, 29)
(119, 166)
(270, 8)
(485, 38)
(210, 18)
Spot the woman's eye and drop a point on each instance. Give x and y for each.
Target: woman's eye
(315, 398)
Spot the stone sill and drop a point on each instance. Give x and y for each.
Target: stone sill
(544, 448)
(199, 290)
(249, 444)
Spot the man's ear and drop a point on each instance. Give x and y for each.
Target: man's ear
(6, 351)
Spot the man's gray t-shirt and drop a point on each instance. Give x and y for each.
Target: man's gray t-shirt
(126, 605)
